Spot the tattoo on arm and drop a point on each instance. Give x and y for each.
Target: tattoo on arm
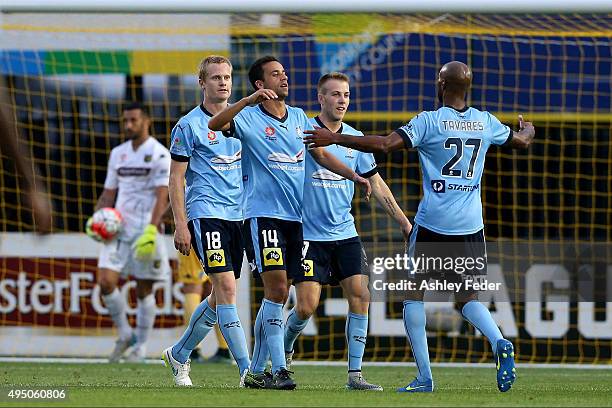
(390, 206)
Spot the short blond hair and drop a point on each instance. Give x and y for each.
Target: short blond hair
(211, 59)
(332, 75)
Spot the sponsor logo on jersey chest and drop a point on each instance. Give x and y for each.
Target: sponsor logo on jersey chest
(212, 138)
(270, 133)
(133, 171)
(438, 186)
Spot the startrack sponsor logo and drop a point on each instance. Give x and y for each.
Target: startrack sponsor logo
(438, 186)
(460, 187)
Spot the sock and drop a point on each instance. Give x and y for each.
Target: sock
(479, 316)
(145, 319)
(414, 324)
(272, 315)
(293, 328)
(220, 340)
(201, 322)
(260, 349)
(115, 303)
(356, 332)
(230, 327)
(192, 300)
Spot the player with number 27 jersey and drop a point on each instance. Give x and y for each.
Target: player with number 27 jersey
(452, 175)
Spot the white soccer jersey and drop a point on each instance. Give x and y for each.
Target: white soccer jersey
(137, 174)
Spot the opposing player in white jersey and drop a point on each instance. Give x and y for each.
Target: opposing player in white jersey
(333, 253)
(452, 143)
(137, 186)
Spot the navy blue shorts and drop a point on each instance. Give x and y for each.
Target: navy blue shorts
(273, 244)
(218, 244)
(446, 256)
(330, 262)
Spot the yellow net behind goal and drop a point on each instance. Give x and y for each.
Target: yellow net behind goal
(68, 75)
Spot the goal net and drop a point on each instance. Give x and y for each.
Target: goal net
(67, 76)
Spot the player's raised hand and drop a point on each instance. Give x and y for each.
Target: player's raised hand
(524, 125)
(320, 137)
(261, 95)
(364, 184)
(182, 239)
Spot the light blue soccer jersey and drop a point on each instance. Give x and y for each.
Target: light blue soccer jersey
(273, 161)
(214, 174)
(328, 196)
(452, 146)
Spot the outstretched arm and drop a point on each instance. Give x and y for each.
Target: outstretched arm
(321, 137)
(223, 119)
(9, 145)
(524, 137)
(330, 162)
(384, 196)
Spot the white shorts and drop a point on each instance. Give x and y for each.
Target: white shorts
(118, 256)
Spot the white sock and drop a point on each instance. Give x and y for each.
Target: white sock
(145, 318)
(115, 303)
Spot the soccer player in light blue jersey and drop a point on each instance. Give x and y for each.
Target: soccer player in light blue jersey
(333, 253)
(452, 142)
(273, 174)
(208, 217)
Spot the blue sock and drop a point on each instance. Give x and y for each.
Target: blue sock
(293, 328)
(272, 314)
(356, 335)
(414, 323)
(202, 321)
(232, 331)
(260, 349)
(479, 316)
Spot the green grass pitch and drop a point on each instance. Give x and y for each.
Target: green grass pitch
(217, 385)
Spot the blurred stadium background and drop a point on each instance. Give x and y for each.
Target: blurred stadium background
(68, 74)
